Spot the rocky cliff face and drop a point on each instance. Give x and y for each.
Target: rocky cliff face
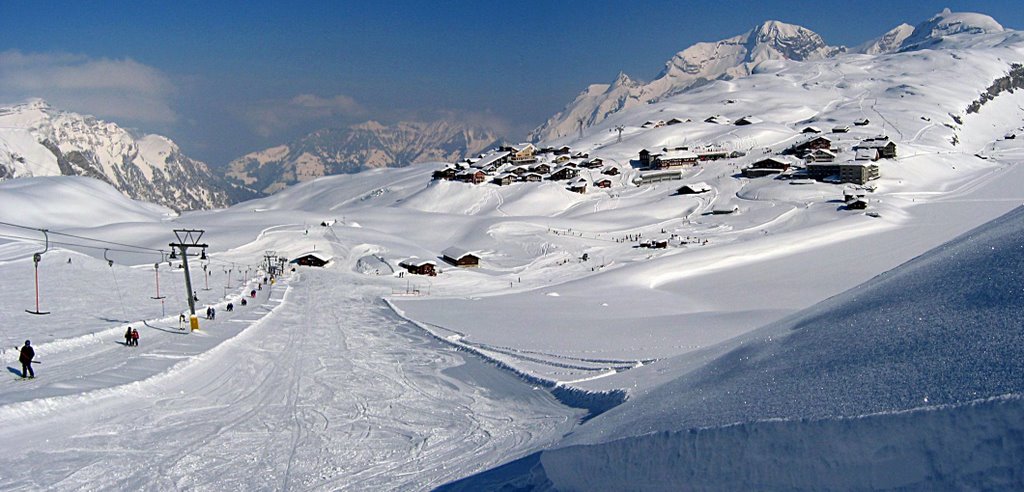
(696, 65)
(38, 140)
(356, 148)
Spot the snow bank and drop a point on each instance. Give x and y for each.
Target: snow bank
(975, 446)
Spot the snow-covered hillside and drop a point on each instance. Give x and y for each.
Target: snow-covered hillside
(696, 65)
(366, 146)
(38, 140)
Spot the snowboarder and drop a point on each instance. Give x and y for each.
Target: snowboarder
(135, 338)
(27, 354)
(128, 337)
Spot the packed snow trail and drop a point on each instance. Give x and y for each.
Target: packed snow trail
(324, 393)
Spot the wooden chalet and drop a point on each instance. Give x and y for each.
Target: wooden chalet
(594, 163)
(521, 153)
(313, 258)
(563, 150)
(717, 120)
(693, 189)
(564, 173)
(562, 158)
(674, 159)
(603, 183)
(541, 168)
(490, 161)
(532, 177)
(712, 155)
(748, 120)
(856, 203)
(610, 171)
(810, 129)
(417, 266)
(578, 186)
(504, 179)
(867, 154)
(770, 166)
(861, 122)
(646, 157)
(820, 155)
(460, 257)
(886, 148)
(475, 176)
(675, 121)
(448, 173)
(814, 143)
(841, 129)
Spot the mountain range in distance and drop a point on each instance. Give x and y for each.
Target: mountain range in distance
(38, 140)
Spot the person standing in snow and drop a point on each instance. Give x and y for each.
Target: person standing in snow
(27, 354)
(128, 337)
(213, 313)
(135, 338)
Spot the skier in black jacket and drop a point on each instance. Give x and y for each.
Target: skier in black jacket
(27, 354)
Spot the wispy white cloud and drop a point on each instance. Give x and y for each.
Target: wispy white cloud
(270, 117)
(118, 89)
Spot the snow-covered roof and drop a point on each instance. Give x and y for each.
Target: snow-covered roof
(458, 253)
(490, 158)
(810, 129)
(679, 154)
(699, 187)
(866, 153)
(750, 120)
(316, 254)
(417, 262)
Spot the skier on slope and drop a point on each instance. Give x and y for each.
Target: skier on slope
(128, 337)
(135, 338)
(27, 354)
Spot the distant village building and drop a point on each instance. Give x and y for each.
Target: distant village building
(533, 177)
(818, 142)
(595, 163)
(541, 168)
(649, 177)
(460, 257)
(725, 209)
(712, 154)
(578, 186)
(886, 148)
(718, 120)
(603, 183)
(449, 172)
(675, 121)
(504, 179)
(417, 266)
(314, 259)
(866, 154)
(841, 129)
(861, 122)
(564, 173)
(490, 161)
(811, 129)
(476, 176)
(748, 120)
(820, 155)
(857, 172)
(674, 159)
(694, 189)
(767, 167)
(610, 171)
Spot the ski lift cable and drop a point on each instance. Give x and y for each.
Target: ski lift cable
(76, 236)
(117, 286)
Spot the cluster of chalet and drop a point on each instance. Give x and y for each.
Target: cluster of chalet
(455, 256)
(820, 161)
(677, 157)
(525, 163)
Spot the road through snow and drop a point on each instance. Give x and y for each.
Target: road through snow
(317, 395)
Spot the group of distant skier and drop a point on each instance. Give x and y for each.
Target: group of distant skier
(131, 335)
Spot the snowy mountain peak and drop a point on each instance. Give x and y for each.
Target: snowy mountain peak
(888, 42)
(696, 65)
(39, 140)
(948, 23)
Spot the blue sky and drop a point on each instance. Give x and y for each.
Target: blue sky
(226, 78)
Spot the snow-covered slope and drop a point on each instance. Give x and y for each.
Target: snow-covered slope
(696, 65)
(38, 140)
(365, 146)
(906, 375)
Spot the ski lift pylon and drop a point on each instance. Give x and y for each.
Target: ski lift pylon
(36, 258)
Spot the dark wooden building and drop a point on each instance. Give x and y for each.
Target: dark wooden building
(311, 259)
(417, 266)
(460, 257)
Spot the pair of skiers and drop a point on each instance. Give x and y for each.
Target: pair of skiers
(211, 313)
(27, 354)
(230, 307)
(131, 337)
